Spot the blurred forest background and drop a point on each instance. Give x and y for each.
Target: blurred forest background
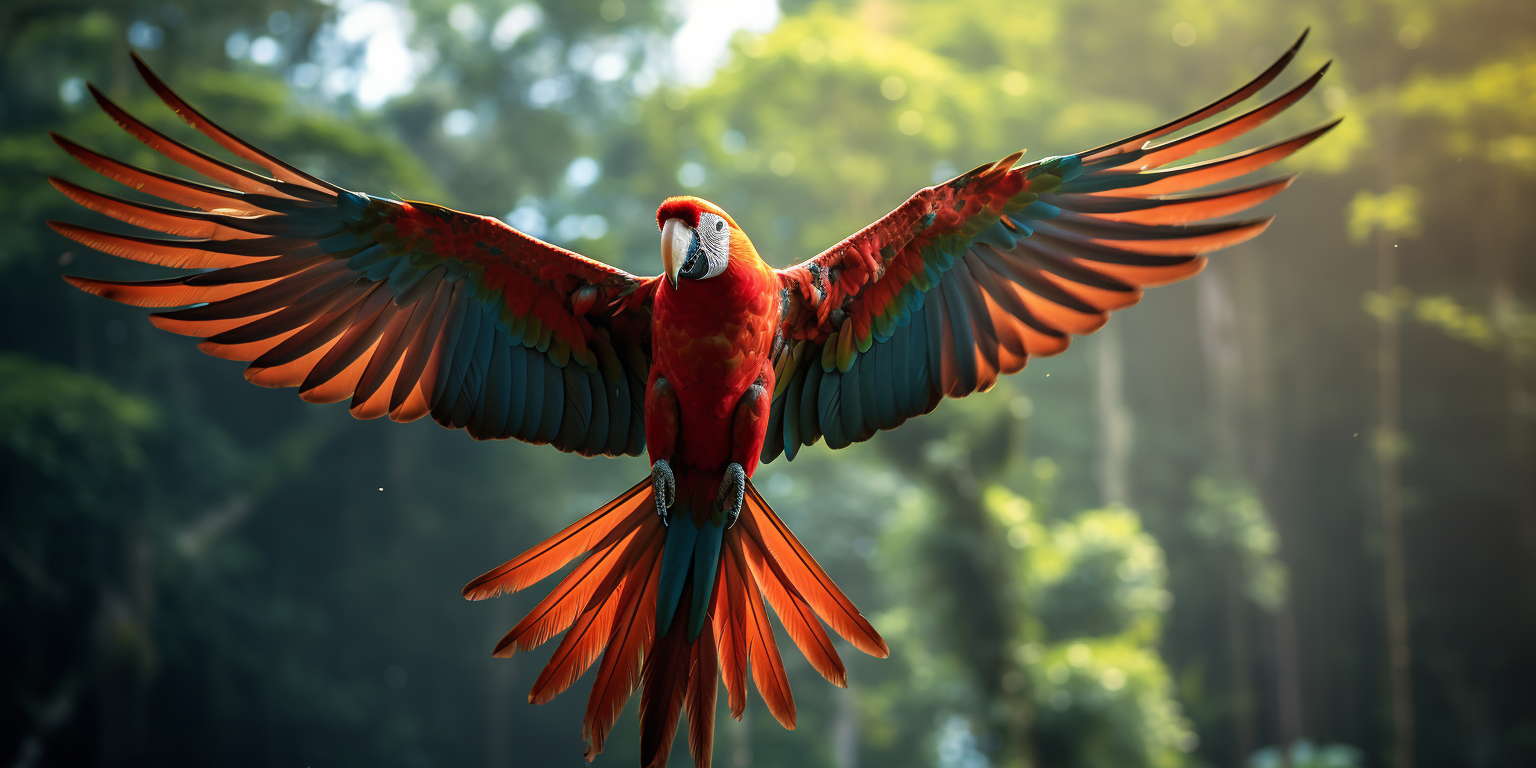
(1281, 514)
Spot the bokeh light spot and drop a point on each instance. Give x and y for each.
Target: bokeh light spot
(1184, 34)
(910, 123)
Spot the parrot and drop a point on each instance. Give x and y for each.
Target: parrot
(721, 362)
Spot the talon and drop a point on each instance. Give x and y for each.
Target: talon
(664, 489)
(733, 492)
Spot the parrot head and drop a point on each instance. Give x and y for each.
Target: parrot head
(699, 240)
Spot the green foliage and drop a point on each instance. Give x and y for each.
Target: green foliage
(1097, 575)
(1229, 516)
(69, 426)
(1489, 111)
(1101, 692)
(1395, 212)
(1303, 754)
(1106, 703)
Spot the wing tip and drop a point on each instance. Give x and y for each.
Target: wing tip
(65, 187)
(1296, 46)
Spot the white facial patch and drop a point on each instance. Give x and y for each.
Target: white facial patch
(715, 239)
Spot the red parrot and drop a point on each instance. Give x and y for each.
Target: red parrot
(410, 309)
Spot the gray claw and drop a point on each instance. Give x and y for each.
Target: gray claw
(733, 491)
(664, 487)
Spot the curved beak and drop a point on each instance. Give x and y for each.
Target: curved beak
(676, 237)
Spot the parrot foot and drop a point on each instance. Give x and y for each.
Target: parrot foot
(733, 491)
(664, 488)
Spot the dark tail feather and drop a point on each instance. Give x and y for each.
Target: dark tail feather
(664, 686)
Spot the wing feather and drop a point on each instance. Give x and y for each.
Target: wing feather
(359, 298)
(966, 280)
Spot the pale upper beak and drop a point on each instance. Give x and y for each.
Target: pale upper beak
(676, 237)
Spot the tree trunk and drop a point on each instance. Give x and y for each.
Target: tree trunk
(741, 740)
(1115, 425)
(845, 729)
(1219, 344)
(1388, 449)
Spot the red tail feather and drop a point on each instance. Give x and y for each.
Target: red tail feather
(700, 699)
(787, 556)
(576, 540)
(767, 667)
(730, 629)
(593, 631)
(633, 632)
(570, 597)
(796, 616)
(609, 603)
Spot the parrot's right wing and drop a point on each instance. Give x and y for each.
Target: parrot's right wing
(402, 308)
(967, 279)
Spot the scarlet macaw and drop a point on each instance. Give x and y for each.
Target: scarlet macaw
(410, 309)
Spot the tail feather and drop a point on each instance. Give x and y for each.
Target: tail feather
(798, 569)
(767, 667)
(633, 632)
(582, 536)
(730, 631)
(665, 685)
(578, 650)
(700, 699)
(581, 646)
(796, 616)
(611, 603)
(575, 592)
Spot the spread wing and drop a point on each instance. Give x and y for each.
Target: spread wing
(967, 279)
(405, 309)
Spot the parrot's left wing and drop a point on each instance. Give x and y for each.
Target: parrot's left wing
(405, 309)
(967, 279)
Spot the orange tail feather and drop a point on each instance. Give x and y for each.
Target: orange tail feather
(593, 631)
(700, 699)
(582, 536)
(609, 603)
(634, 630)
(729, 623)
(796, 616)
(767, 667)
(789, 558)
(575, 592)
